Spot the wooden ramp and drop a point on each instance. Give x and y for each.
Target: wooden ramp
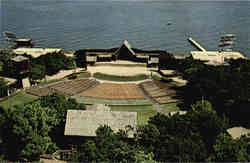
(196, 44)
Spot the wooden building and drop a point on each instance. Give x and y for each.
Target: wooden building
(124, 52)
(24, 43)
(20, 63)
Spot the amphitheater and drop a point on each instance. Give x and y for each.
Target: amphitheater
(91, 90)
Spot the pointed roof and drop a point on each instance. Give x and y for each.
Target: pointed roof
(127, 46)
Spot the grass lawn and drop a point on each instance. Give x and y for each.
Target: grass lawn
(120, 78)
(83, 75)
(143, 112)
(19, 98)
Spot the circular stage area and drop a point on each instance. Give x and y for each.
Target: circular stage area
(124, 68)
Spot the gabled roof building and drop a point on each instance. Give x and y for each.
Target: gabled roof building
(124, 52)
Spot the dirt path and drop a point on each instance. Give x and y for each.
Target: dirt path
(62, 74)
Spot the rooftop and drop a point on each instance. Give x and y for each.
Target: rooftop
(8, 80)
(23, 40)
(19, 58)
(35, 52)
(85, 123)
(237, 132)
(215, 57)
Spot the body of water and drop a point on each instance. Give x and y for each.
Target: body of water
(81, 24)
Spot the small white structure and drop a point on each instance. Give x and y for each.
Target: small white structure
(153, 60)
(91, 58)
(177, 112)
(26, 83)
(237, 132)
(35, 52)
(215, 57)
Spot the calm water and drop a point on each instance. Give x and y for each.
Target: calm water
(79, 24)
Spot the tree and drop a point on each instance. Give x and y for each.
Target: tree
(54, 62)
(26, 131)
(227, 149)
(3, 88)
(196, 130)
(59, 104)
(106, 147)
(81, 58)
(142, 157)
(35, 128)
(147, 136)
(37, 71)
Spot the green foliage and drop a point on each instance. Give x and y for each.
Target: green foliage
(202, 105)
(226, 87)
(227, 149)
(147, 136)
(178, 134)
(142, 157)
(80, 58)
(37, 71)
(35, 128)
(26, 131)
(9, 70)
(54, 62)
(106, 147)
(196, 130)
(5, 55)
(59, 104)
(3, 88)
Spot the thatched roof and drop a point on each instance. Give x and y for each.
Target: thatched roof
(85, 123)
